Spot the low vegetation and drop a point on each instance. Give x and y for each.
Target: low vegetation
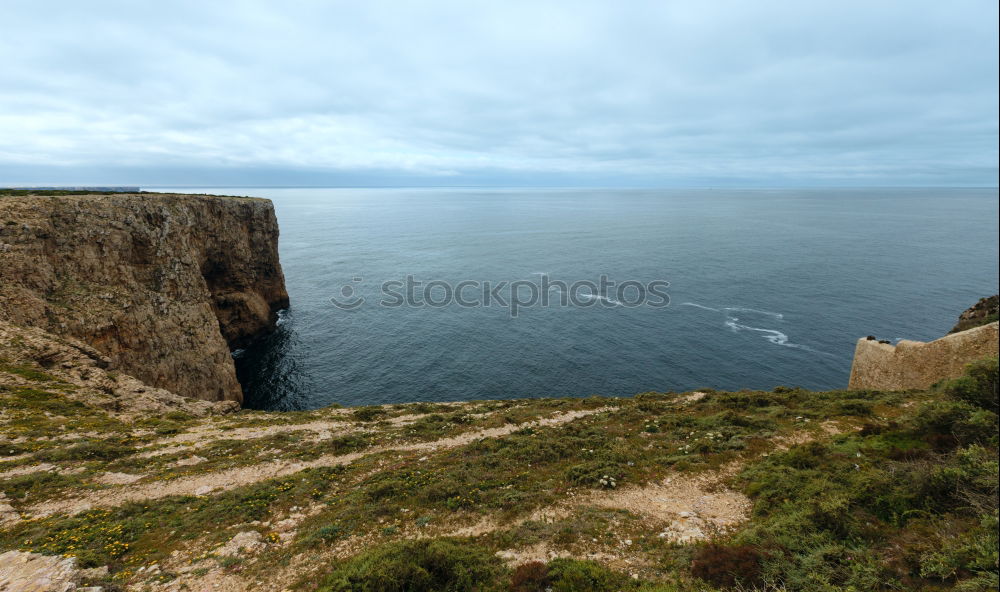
(845, 490)
(908, 504)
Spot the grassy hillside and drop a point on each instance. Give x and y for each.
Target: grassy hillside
(782, 490)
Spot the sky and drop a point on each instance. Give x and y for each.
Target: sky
(573, 93)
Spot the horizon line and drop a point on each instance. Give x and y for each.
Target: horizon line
(54, 187)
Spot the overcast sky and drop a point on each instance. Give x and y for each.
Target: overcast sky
(505, 92)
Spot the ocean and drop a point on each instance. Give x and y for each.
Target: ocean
(724, 289)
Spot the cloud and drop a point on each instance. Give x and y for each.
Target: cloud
(513, 92)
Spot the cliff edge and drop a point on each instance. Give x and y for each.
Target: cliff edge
(164, 285)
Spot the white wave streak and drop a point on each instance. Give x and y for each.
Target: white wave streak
(696, 305)
(773, 335)
(776, 315)
(599, 297)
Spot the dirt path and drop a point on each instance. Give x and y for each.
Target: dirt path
(237, 477)
(202, 437)
(323, 429)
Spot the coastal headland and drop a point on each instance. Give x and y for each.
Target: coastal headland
(125, 463)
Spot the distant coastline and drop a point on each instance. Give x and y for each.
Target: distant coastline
(111, 189)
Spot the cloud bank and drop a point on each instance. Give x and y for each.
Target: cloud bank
(520, 93)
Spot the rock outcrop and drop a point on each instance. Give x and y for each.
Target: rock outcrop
(33, 572)
(163, 285)
(84, 369)
(879, 365)
(981, 313)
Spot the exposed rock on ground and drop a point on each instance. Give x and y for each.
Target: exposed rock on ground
(8, 515)
(32, 572)
(246, 542)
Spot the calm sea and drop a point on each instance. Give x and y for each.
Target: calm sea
(767, 288)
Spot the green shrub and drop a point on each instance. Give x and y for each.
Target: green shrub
(971, 552)
(876, 511)
(26, 372)
(387, 488)
(21, 486)
(596, 474)
(946, 424)
(93, 450)
(327, 534)
(178, 416)
(806, 456)
(573, 575)
(979, 385)
(859, 407)
(343, 444)
(437, 565)
(369, 413)
(45, 402)
(750, 399)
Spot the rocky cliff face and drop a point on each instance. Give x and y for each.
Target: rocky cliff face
(83, 375)
(164, 285)
(980, 313)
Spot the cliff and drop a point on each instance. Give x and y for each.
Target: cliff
(29, 355)
(164, 285)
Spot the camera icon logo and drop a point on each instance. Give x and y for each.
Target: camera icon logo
(349, 299)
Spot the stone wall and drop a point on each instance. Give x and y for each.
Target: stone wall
(918, 365)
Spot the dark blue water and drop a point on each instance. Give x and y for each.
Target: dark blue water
(767, 288)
